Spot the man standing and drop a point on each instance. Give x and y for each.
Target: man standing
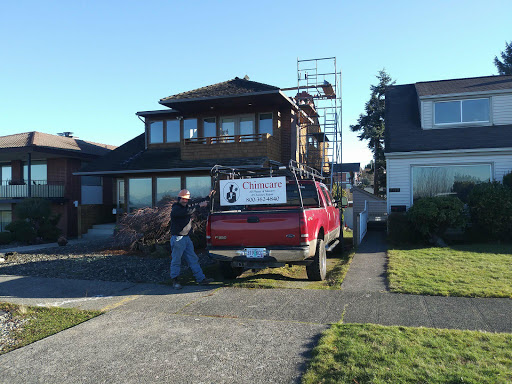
(181, 245)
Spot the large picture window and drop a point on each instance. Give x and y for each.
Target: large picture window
(139, 193)
(461, 111)
(430, 181)
(167, 188)
(199, 186)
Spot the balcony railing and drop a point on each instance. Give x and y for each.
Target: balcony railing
(226, 139)
(12, 189)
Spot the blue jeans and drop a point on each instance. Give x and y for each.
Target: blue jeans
(182, 246)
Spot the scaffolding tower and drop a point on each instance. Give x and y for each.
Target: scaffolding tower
(319, 97)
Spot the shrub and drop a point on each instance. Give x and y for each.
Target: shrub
(400, 229)
(463, 189)
(37, 216)
(490, 206)
(5, 238)
(150, 226)
(432, 216)
(22, 230)
(507, 180)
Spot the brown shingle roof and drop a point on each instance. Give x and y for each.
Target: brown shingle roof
(45, 140)
(233, 87)
(473, 84)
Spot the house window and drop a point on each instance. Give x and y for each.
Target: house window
(5, 174)
(167, 188)
(93, 181)
(461, 111)
(265, 123)
(139, 193)
(227, 127)
(38, 172)
(5, 219)
(156, 132)
(246, 126)
(199, 186)
(172, 131)
(190, 129)
(209, 127)
(430, 181)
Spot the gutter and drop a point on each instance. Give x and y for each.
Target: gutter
(95, 173)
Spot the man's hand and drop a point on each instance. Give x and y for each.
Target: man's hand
(203, 204)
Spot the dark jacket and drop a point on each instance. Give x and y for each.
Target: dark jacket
(180, 216)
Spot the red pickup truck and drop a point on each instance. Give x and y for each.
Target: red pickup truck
(299, 231)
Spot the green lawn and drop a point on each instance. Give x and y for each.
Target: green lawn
(481, 270)
(364, 353)
(42, 322)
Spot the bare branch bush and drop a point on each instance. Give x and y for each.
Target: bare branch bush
(151, 226)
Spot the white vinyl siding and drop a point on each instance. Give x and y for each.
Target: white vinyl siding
(502, 109)
(427, 114)
(400, 175)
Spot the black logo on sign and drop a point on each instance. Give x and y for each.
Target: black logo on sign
(231, 192)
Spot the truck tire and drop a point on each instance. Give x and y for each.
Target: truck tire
(317, 270)
(229, 272)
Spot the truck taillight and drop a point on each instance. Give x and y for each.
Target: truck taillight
(208, 230)
(303, 225)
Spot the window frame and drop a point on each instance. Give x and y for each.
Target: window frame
(166, 141)
(197, 128)
(271, 122)
(150, 132)
(412, 166)
(461, 103)
(203, 130)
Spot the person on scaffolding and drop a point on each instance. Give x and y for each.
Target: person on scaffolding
(181, 245)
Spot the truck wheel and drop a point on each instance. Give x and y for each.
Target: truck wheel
(318, 268)
(229, 272)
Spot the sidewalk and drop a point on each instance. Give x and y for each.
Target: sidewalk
(373, 303)
(38, 247)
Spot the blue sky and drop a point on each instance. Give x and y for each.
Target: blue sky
(88, 66)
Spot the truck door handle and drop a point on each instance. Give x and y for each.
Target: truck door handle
(253, 219)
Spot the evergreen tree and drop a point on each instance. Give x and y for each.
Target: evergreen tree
(371, 125)
(505, 66)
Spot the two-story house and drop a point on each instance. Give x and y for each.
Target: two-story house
(234, 123)
(346, 174)
(442, 132)
(35, 164)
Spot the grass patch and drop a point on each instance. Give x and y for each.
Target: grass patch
(481, 270)
(365, 353)
(294, 276)
(42, 322)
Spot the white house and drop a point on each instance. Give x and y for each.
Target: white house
(442, 132)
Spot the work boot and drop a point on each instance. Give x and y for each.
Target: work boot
(176, 284)
(205, 281)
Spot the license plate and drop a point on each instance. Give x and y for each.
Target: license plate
(256, 253)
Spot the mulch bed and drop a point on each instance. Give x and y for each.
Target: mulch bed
(95, 260)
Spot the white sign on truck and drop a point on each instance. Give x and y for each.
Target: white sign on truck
(266, 190)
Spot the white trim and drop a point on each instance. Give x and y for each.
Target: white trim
(461, 95)
(448, 152)
(461, 122)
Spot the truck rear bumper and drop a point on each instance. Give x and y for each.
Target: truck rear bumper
(283, 255)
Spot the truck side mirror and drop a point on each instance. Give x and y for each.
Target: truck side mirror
(344, 202)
